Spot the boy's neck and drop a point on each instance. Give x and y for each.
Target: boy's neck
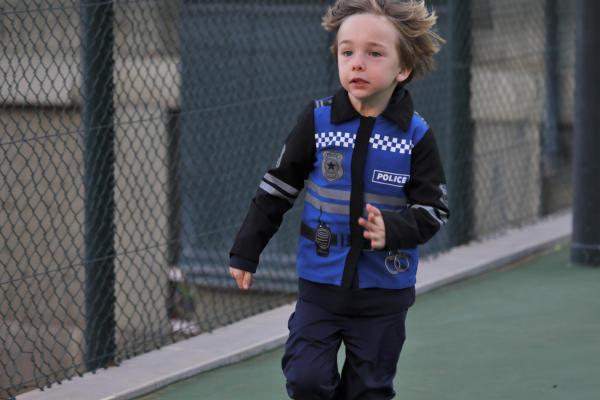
(374, 106)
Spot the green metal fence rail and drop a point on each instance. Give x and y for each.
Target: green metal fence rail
(133, 135)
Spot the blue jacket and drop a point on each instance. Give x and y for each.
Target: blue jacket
(345, 161)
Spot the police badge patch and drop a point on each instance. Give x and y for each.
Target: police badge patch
(332, 165)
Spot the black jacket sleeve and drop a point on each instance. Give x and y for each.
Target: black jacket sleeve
(276, 194)
(426, 193)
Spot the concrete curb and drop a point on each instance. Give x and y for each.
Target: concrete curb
(266, 331)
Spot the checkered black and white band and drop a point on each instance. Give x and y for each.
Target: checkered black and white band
(394, 145)
(337, 139)
(381, 142)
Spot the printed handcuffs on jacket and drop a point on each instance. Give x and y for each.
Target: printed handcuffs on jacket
(396, 262)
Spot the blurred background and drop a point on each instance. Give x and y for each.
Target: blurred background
(134, 133)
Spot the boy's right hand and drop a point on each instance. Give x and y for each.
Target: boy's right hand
(243, 278)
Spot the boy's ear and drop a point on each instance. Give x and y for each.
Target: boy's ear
(403, 75)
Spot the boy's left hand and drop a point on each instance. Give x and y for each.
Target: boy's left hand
(374, 227)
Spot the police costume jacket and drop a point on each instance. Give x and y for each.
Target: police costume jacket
(345, 161)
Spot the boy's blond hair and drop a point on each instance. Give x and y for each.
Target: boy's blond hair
(417, 44)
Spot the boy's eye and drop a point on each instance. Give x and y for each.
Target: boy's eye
(346, 53)
(376, 54)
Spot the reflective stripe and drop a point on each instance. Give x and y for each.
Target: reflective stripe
(290, 190)
(441, 219)
(387, 200)
(330, 193)
(266, 186)
(344, 195)
(327, 207)
(323, 102)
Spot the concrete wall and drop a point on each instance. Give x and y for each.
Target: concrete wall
(507, 109)
(52, 27)
(41, 241)
(566, 61)
(42, 301)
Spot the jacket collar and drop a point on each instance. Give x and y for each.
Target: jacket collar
(399, 110)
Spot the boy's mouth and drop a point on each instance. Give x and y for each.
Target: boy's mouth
(358, 81)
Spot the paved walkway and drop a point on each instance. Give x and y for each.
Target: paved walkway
(526, 331)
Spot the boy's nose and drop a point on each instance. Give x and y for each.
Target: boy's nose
(358, 63)
(358, 66)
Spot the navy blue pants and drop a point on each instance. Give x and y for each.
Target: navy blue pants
(373, 345)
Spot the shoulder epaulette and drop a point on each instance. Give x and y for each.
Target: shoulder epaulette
(420, 117)
(327, 101)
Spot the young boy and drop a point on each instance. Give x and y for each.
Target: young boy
(375, 191)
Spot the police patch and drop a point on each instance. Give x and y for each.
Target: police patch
(389, 178)
(332, 165)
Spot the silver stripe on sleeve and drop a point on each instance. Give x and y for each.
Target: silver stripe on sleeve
(289, 189)
(327, 207)
(273, 191)
(441, 219)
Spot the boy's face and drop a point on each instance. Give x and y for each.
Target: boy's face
(368, 60)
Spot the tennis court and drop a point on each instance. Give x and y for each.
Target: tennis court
(526, 331)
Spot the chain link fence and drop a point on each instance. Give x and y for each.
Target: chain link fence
(134, 134)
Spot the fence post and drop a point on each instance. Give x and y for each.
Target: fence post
(585, 244)
(99, 181)
(460, 191)
(551, 108)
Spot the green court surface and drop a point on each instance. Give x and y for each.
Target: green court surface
(527, 331)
